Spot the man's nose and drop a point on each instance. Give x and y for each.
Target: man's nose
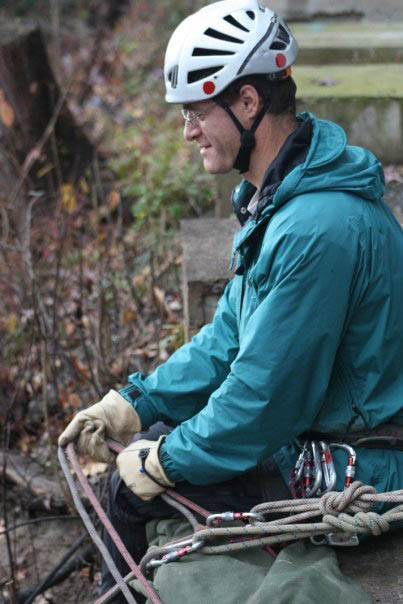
(190, 132)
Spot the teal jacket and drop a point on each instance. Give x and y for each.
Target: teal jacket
(308, 335)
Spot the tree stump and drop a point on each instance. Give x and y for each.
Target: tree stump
(36, 155)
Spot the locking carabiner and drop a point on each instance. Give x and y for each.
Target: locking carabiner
(317, 471)
(215, 520)
(329, 471)
(176, 554)
(299, 466)
(352, 456)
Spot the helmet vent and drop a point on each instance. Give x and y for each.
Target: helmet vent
(210, 52)
(251, 14)
(218, 35)
(277, 45)
(235, 23)
(173, 76)
(282, 34)
(200, 74)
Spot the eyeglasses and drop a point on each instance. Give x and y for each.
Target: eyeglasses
(194, 117)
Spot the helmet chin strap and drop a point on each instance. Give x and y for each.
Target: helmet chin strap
(248, 140)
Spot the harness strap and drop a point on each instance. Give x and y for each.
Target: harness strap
(384, 436)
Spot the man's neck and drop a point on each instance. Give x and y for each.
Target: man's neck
(270, 137)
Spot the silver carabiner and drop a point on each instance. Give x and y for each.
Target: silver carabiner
(310, 492)
(352, 456)
(215, 519)
(329, 471)
(299, 466)
(176, 554)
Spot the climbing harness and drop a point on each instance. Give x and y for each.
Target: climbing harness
(342, 516)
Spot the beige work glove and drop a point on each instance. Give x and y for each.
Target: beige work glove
(113, 417)
(141, 470)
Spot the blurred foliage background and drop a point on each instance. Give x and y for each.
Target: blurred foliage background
(91, 280)
(90, 272)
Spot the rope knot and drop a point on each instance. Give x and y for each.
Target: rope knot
(349, 500)
(362, 522)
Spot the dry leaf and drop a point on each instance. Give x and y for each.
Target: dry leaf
(44, 170)
(140, 279)
(45, 598)
(163, 307)
(81, 368)
(70, 328)
(75, 400)
(85, 322)
(69, 199)
(128, 316)
(113, 199)
(12, 323)
(6, 111)
(84, 188)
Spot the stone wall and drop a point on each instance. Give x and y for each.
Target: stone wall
(207, 244)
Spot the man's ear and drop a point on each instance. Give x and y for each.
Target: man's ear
(250, 101)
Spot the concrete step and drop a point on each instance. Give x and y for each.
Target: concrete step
(383, 80)
(366, 100)
(207, 244)
(327, 42)
(353, 10)
(205, 267)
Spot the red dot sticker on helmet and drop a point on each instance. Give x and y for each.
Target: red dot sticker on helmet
(208, 87)
(280, 60)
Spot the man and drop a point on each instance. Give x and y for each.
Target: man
(307, 337)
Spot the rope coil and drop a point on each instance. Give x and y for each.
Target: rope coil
(343, 514)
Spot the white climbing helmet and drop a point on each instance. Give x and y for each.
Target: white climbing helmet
(222, 42)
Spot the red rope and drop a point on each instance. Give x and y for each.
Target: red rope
(152, 594)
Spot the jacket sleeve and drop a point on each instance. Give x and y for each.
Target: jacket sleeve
(278, 380)
(179, 388)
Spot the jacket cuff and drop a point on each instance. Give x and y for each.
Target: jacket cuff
(168, 465)
(141, 404)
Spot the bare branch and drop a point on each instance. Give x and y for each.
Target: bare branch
(36, 151)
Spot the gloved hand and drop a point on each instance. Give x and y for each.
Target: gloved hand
(113, 417)
(141, 470)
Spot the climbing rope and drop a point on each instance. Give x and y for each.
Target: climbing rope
(341, 516)
(121, 582)
(334, 508)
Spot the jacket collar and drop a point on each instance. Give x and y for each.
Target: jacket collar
(292, 153)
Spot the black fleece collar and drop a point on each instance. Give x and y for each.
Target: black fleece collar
(292, 153)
